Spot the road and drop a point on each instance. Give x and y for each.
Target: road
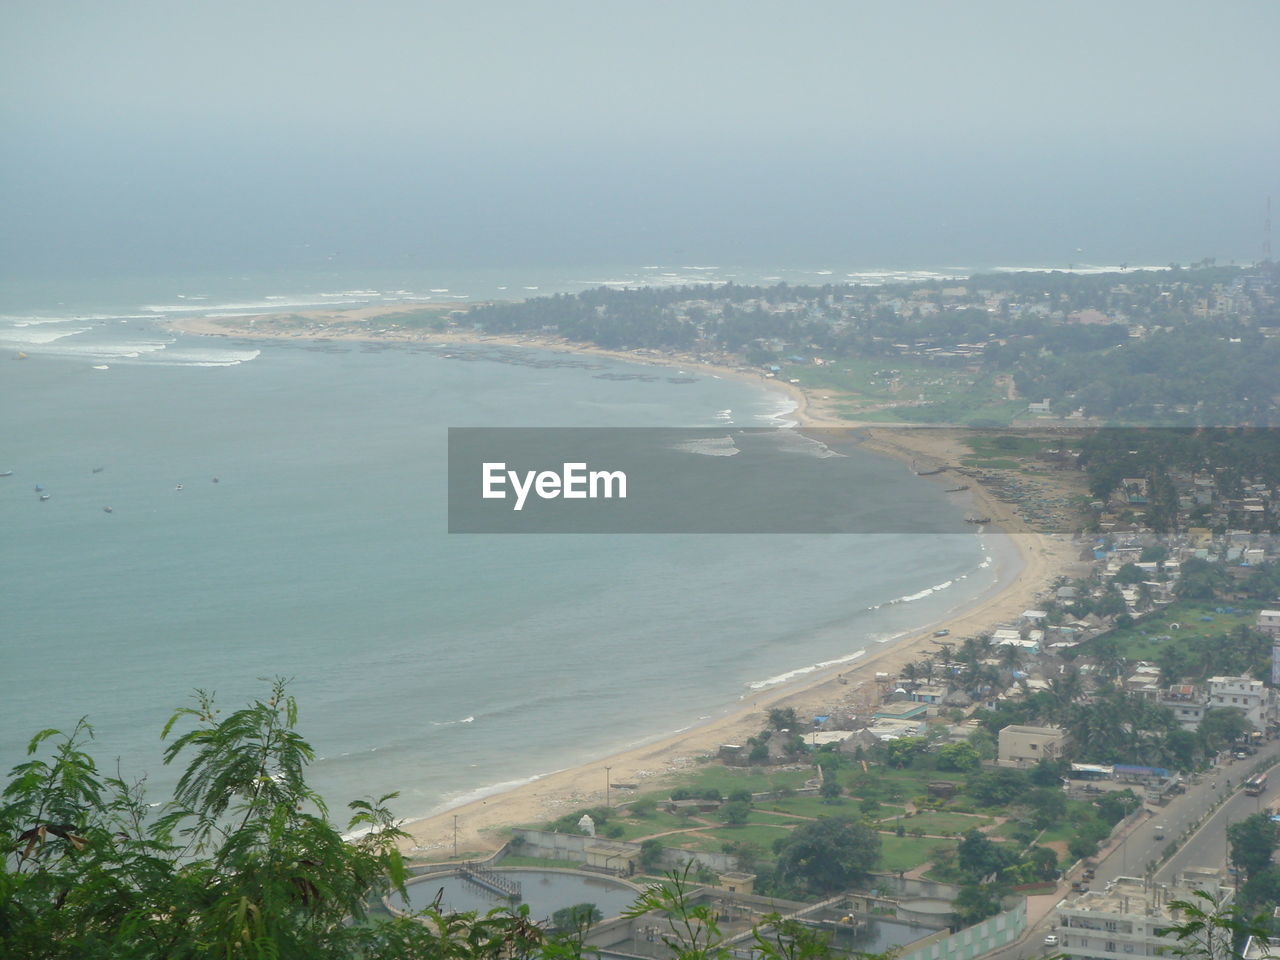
(1205, 847)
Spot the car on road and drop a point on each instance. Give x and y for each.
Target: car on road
(1159, 835)
(1051, 940)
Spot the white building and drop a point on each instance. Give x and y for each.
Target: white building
(1269, 623)
(1240, 693)
(1126, 920)
(1188, 704)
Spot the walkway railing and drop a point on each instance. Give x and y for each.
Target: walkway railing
(490, 880)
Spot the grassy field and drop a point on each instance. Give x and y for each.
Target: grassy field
(817, 807)
(907, 853)
(659, 822)
(938, 824)
(1143, 640)
(894, 390)
(755, 779)
(715, 839)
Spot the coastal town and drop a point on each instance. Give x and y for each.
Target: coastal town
(1058, 770)
(1044, 787)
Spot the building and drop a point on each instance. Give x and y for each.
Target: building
(1240, 693)
(1127, 920)
(1023, 746)
(1188, 704)
(1269, 623)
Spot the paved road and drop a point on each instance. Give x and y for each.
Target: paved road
(1206, 847)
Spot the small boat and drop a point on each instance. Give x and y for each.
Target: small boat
(977, 519)
(6, 473)
(44, 496)
(957, 489)
(178, 487)
(39, 487)
(107, 510)
(98, 469)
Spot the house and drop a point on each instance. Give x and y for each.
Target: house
(1129, 918)
(1241, 693)
(1025, 746)
(929, 694)
(1269, 623)
(897, 729)
(902, 710)
(1187, 703)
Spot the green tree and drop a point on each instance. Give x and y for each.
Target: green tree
(1208, 929)
(735, 813)
(1129, 574)
(979, 859)
(904, 750)
(997, 788)
(242, 862)
(1253, 842)
(974, 903)
(957, 756)
(783, 718)
(828, 854)
(651, 852)
(1262, 889)
(577, 919)
(830, 790)
(1049, 806)
(1221, 726)
(1044, 863)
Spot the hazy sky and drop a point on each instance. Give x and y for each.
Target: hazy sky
(869, 133)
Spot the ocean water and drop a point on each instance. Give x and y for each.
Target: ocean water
(440, 666)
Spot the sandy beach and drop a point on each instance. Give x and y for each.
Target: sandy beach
(1043, 558)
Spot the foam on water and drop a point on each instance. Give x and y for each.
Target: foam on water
(709, 447)
(267, 304)
(792, 441)
(801, 671)
(25, 337)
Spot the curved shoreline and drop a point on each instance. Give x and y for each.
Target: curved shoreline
(480, 819)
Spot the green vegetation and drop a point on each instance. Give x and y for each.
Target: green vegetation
(938, 824)
(828, 855)
(1190, 631)
(1132, 346)
(898, 854)
(242, 861)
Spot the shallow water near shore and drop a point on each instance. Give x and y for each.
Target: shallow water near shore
(440, 666)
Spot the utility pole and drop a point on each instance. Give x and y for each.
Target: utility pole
(606, 787)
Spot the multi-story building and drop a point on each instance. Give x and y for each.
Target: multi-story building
(1187, 703)
(1024, 746)
(1269, 623)
(1241, 693)
(1126, 920)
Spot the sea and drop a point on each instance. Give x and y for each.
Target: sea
(184, 512)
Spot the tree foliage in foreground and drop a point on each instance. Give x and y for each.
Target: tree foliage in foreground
(243, 863)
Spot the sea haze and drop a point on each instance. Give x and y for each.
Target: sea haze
(432, 664)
